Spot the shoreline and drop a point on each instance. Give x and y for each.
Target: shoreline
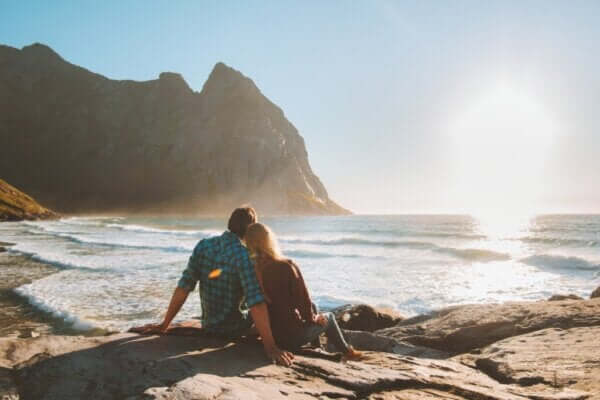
(18, 317)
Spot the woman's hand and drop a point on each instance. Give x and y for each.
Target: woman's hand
(278, 356)
(321, 319)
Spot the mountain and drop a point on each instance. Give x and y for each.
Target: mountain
(81, 143)
(16, 205)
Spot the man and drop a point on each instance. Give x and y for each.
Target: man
(227, 280)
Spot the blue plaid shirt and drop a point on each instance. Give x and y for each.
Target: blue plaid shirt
(227, 282)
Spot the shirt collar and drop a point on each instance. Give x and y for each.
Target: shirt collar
(231, 236)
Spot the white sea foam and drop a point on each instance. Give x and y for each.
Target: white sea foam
(45, 305)
(111, 241)
(146, 229)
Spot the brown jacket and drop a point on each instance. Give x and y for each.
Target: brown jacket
(290, 307)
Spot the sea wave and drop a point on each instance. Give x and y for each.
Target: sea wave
(55, 261)
(46, 306)
(560, 262)
(358, 242)
(560, 241)
(106, 242)
(148, 229)
(317, 254)
(481, 255)
(427, 234)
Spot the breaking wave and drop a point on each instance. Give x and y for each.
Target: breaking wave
(560, 262)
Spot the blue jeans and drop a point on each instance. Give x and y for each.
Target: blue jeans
(332, 332)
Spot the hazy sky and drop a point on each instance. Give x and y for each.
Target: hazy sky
(405, 106)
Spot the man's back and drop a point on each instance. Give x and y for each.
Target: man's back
(222, 266)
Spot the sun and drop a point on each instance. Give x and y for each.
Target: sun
(500, 147)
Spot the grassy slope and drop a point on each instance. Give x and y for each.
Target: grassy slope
(16, 205)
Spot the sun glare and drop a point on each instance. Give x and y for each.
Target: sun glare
(501, 144)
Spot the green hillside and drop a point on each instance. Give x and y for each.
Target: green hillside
(16, 205)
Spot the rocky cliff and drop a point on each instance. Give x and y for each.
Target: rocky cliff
(16, 205)
(80, 142)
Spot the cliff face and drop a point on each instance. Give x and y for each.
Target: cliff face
(16, 205)
(80, 142)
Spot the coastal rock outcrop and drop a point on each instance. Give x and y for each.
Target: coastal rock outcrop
(595, 293)
(93, 144)
(552, 357)
(363, 317)
(16, 205)
(561, 297)
(129, 366)
(463, 328)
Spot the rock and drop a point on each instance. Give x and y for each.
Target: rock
(80, 142)
(561, 297)
(552, 357)
(8, 387)
(129, 366)
(595, 293)
(362, 340)
(363, 317)
(16, 206)
(464, 328)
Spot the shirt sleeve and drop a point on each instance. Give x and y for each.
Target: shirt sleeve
(190, 275)
(250, 285)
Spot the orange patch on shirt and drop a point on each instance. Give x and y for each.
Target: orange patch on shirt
(214, 274)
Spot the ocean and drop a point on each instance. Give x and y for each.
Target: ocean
(117, 272)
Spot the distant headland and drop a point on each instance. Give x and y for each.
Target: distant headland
(81, 143)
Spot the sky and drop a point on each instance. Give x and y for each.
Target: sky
(405, 106)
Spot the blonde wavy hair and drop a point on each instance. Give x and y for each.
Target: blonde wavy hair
(262, 244)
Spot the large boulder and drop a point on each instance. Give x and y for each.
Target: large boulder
(128, 366)
(363, 317)
(463, 328)
(595, 293)
(553, 357)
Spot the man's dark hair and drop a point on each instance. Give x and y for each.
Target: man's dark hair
(241, 218)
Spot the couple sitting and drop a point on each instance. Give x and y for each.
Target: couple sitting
(256, 276)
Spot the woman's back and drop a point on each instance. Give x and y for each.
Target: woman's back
(290, 307)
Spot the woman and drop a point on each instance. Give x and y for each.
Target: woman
(293, 321)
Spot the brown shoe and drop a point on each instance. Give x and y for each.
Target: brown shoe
(353, 355)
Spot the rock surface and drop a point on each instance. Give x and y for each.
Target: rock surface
(551, 357)
(128, 366)
(464, 328)
(595, 293)
(560, 297)
(363, 317)
(17, 206)
(93, 144)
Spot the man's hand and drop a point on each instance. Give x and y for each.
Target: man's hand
(149, 329)
(179, 297)
(278, 356)
(154, 329)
